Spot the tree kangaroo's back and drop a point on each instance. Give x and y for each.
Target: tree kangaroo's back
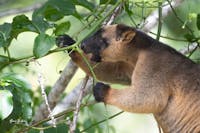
(161, 80)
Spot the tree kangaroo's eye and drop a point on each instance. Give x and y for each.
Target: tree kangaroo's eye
(103, 43)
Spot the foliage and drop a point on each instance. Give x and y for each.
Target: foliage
(17, 90)
(50, 21)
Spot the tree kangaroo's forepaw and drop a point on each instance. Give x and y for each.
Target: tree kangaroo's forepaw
(100, 91)
(64, 41)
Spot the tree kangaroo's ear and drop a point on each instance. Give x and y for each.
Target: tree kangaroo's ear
(127, 36)
(124, 33)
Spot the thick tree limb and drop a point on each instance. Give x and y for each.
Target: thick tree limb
(56, 90)
(20, 10)
(71, 99)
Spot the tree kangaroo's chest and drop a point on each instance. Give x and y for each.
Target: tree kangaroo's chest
(182, 113)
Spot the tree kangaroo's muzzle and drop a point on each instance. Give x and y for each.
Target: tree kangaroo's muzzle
(94, 45)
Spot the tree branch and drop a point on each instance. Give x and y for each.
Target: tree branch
(71, 99)
(56, 90)
(72, 127)
(20, 10)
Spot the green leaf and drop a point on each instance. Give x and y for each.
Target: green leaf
(62, 28)
(43, 43)
(54, 10)
(105, 1)
(90, 6)
(189, 37)
(21, 93)
(6, 104)
(20, 24)
(198, 21)
(3, 41)
(5, 30)
(40, 23)
(64, 6)
(128, 11)
(51, 13)
(27, 111)
(17, 80)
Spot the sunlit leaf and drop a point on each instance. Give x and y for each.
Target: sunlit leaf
(51, 13)
(41, 24)
(90, 6)
(62, 28)
(20, 24)
(21, 95)
(17, 80)
(6, 104)
(43, 43)
(5, 30)
(3, 41)
(54, 10)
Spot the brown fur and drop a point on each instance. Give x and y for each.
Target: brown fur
(161, 80)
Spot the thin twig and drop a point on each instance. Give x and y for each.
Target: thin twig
(78, 104)
(44, 95)
(159, 20)
(170, 38)
(56, 90)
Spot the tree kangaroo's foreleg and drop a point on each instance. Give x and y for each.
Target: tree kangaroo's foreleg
(118, 72)
(131, 99)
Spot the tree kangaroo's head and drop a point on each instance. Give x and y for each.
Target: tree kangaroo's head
(110, 43)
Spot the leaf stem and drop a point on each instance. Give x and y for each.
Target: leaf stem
(8, 52)
(159, 20)
(87, 62)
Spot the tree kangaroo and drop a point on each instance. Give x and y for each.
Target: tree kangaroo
(161, 80)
